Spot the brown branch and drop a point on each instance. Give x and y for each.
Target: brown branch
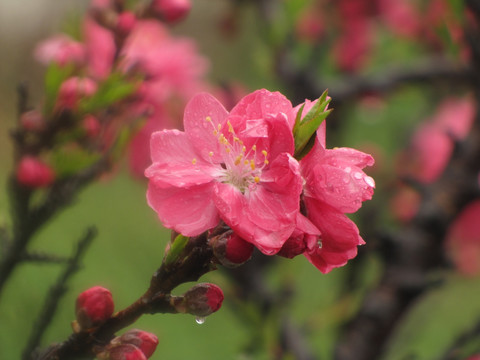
(56, 293)
(195, 260)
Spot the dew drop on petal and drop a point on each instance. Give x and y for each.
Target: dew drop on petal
(200, 320)
(369, 181)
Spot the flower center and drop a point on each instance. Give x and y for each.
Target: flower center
(239, 166)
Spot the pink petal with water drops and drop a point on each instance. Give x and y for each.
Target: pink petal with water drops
(200, 131)
(189, 211)
(175, 161)
(261, 103)
(339, 236)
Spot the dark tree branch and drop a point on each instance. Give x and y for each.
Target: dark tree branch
(56, 293)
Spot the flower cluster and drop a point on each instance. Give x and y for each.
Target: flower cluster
(125, 78)
(241, 167)
(355, 23)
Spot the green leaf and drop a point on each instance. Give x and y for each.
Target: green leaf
(304, 129)
(436, 320)
(457, 8)
(69, 161)
(113, 89)
(176, 249)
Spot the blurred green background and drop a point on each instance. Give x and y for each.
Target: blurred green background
(130, 243)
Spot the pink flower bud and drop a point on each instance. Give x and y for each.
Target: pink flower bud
(60, 49)
(230, 249)
(93, 307)
(202, 299)
(91, 125)
(73, 89)
(172, 10)
(33, 173)
(145, 341)
(123, 352)
(32, 120)
(126, 22)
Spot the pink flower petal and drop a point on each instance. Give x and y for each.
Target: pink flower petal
(100, 48)
(175, 162)
(200, 131)
(261, 103)
(340, 236)
(189, 211)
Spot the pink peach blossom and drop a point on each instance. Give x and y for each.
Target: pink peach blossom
(100, 48)
(235, 166)
(463, 240)
(60, 49)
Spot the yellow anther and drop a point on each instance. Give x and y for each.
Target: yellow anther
(246, 162)
(208, 118)
(227, 149)
(236, 139)
(230, 127)
(257, 179)
(238, 159)
(252, 164)
(219, 127)
(254, 147)
(244, 149)
(266, 162)
(194, 161)
(264, 152)
(210, 153)
(215, 132)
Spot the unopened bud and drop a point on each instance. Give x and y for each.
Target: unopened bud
(91, 125)
(73, 89)
(201, 300)
(172, 10)
(126, 22)
(93, 307)
(145, 341)
(230, 249)
(122, 352)
(33, 173)
(32, 120)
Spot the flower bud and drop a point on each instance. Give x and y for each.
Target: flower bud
(202, 300)
(32, 120)
(91, 126)
(145, 341)
(33, 173)
(93, 307)
(172, 10)
(126, 22)
(122, 352)
(73, 89)
(230, 249)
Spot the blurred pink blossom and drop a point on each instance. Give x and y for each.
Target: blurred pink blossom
(463, 240)
(60, 49)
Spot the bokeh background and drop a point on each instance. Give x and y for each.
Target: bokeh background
(131, 240)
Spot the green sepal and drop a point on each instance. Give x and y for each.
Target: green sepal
(304, 129)
(176, 248)
(54, 78)
(115, 88)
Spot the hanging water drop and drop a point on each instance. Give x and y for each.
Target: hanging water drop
(200, 320)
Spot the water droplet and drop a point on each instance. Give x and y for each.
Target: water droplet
(357, 175)
(348, 169)
(200, 320)
(369, 181)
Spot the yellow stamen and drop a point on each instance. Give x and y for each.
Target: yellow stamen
(208, 118)
(252, 164)
(238, 159)
(194, 161)
(257, 179)
(254, 148)
(210, 153)
(264, 152)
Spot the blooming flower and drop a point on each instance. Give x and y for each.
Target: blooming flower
(60, 49)
(334, 184)
(235, 166)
